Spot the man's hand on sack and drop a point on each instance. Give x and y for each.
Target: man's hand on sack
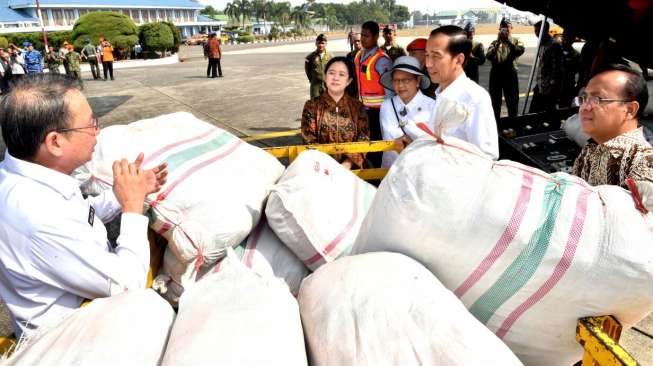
(402, 142)
(131, 183)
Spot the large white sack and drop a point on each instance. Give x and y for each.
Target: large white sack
(236, 317)
(527, 252)
(317, 207)
(216, 188)
(387, 309)
(266, 255)
(131, 328)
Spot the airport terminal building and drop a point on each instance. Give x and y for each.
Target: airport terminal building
(23, 16)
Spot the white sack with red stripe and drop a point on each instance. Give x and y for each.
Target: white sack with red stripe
(236, 317)
(527, 252)
(317, 207)
(266, 255)
(130, 328)
(216, 189)
(387, 309)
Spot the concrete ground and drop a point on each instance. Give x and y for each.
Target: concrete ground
(263, 91)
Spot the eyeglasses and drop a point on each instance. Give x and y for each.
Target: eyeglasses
(403, 81)
(594, 101)
(95, 124)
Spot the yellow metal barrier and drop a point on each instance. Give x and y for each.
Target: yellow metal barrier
(291, 152)
(599, 336)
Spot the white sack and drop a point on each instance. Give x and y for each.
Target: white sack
(387, 309)
(266, 255)
(527, 252)
(236, 317)
(131, 328)
(216, 189)
(317, 208)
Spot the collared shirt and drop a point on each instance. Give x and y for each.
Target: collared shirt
(394, 51)
(418, 110)
(54, 250)
(628, 155)
(34, 62)
(480, 128)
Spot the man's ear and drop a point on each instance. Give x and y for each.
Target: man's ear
(460, 59)
(631, 109)
(53, 143)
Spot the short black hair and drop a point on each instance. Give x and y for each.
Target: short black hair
(635, 88)
(371, 26)
(458, 40)
(36, 105)
(350, 67)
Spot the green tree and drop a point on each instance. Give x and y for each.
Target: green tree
(301, 16)
(176, 35)
(399, 14)
(156, 37)
(245, 9)
(208, 10)
(281, 13)
(232, 11)
(4, 42)
(117, 28)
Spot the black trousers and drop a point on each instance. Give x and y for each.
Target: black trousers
(107, 67)
(542, 102)
(504, 81)
(95, 68)
(213, 67)
(375, 135)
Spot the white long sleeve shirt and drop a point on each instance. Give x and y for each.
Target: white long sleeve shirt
(54, 251)
(480, 128)
(418, 110)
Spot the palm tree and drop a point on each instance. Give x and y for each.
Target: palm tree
(244, 7)
(301, 16)
(281, 13)
(232, 11)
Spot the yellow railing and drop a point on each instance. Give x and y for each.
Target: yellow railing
(599, 336)
(291, 152)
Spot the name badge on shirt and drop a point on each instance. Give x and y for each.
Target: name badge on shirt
(91, 215)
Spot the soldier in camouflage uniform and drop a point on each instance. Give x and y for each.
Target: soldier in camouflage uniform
(503, 53)
(476, 56)
(390, 47)
(53, 61)
(314, 66)
(73, 58)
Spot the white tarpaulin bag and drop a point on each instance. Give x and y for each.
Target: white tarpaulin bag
(236, 317)
(317, 208)
(387, 309)
(527, 252)
(216, 189)
(264, 253)
(131, 328)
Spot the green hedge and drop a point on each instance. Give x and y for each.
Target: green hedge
(176, 33)
(156, 37)
(245, 38)
(117, 28)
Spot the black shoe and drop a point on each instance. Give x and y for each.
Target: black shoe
(220, 76)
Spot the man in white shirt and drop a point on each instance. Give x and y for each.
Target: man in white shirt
(446, 50)
(54, 251)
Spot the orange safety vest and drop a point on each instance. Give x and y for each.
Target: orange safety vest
(370, 90)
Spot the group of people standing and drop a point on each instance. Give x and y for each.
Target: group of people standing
(382, 92)
(16, 62)
(379, 93)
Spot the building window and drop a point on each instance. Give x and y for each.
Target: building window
(70, 16)
(57, 16)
